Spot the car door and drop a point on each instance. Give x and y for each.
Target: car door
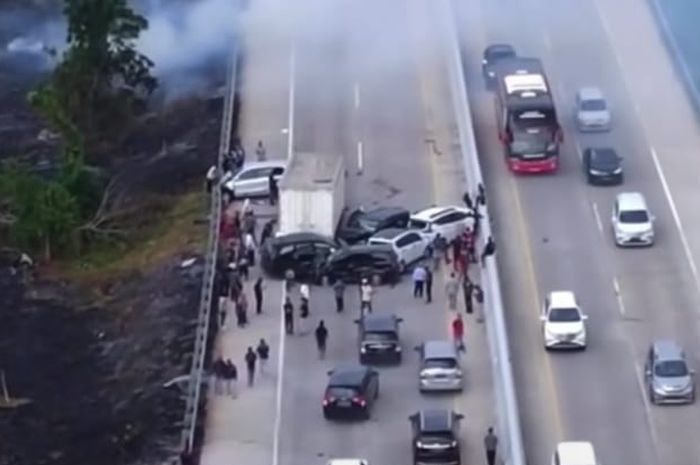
(304, 259)
(452, 224)
(261, 184)
(373, 386)
(284, 258)
(247, 182)
(417, 246)
(403, 249)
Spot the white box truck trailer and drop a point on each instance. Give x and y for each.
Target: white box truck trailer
(312, 194)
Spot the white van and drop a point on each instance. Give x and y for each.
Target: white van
(574, 453)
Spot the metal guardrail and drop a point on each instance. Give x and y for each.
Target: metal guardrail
(197, 371)
(507, 413)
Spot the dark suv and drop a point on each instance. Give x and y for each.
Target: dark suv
(358, 225)
(304, 253)
(379, 338)
(436, 437)
(351, 392)
(353, 263)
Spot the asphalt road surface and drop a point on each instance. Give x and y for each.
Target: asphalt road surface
(555, 231)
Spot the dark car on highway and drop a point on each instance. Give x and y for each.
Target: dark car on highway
(436, 437)
(379, 338)
(351, 392)
(304, 253)
(358, 225)
(351, 264)
(492, 55)
(602, 166)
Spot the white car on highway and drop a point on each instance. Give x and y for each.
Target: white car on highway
(347, 462)
(253, 179)
(449, 221)
(633, 224)
(563, 323)
(408, 244)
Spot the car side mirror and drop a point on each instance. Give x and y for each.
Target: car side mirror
(329, 372)
(413, 417)
(652, 218)
(692, 371)
(417, 348)
(357, 321)
(647, 372)
(399, 320)
(584, 317)
(459, 416)
(543, 318)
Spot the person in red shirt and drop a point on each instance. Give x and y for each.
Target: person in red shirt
(458, 332)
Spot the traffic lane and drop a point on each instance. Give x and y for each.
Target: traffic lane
(652, 279)
(556, 232)
(385, 438)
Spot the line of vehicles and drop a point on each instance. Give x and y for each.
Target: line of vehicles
(531, 135)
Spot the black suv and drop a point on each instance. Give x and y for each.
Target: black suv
(492, 55)
(351, 392)
(379, 338)
(304, 253)
(436, 437)
(355, 262)
(358, 225)
(602, 166)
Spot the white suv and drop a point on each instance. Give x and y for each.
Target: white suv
(563, 324)
(632, 223)
(409, 245)
(448, 221)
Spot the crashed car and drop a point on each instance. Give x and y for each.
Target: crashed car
(359, 225)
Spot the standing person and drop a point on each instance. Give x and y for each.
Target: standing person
(339, 292)
(263, 351)
(428, 285)
(418, 276)
(231, 377)
(458, 332)
(258, 292)
(481, 195)
(249, 244)
(321, 334)
(470, 245)
(489, 249)
(467, 200)
(305, 292)
(490, 444)
(211, 178)
(250, 359)
(366, 292)
(267, 231)
(440, 250)
(242, 308)
(476, 217)
(451, 289)
(479, 297)
(468, 290)
(243, 264)
(288, 310)
(260, 151)
(223, 312)
(218, 369)
(273, 188)
(456, 253)
(303, 316)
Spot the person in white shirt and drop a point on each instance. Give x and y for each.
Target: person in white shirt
(366, 292)
(305, 291)
(211, 178)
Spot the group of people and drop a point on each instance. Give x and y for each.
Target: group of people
(232, 162)
(225, 372)
(288, 314)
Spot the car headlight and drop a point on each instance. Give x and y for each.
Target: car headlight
(397, 348)
(551, 147)
(363, 350)
(597, 172)
(491, 74)
(618, 171)
(453, 444)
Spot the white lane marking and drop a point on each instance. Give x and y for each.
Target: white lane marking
(639, 372)
(598, 221)
(280, 377)
(618, 296)
(356, 95)
(579, 149)
(360, 157)
(654, 156)
(291, 102)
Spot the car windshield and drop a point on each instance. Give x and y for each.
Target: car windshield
(417, 224)
(593, 105)
(341, 391)
(529, 146)
(564, 315)
(368, 223)
(634, 216)
(440, 363)
(496, 55)
(384, 336)
(605, 157)
(671, 369)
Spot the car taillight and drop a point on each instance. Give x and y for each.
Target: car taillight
(327, 400)
(359, 400)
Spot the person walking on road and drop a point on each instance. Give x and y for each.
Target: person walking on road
(305, 292)
(321, 334)
(339, 292)
(466, 198)
(250, 359)
(260, 151)
(273, 188)
(242, 310)
(489, 249)
(258, 293)
(288, 310)
(490, 444)
(439, 250)
(428, 285)
(478, 293)
(218, 369)
(451, 289)
(366, 294)
(458, 332)
(468, 290)
(418, 276)
(263, 351)
(480, 195)
(303, 316)
(267, 231)
(211, 178)
(231, 377)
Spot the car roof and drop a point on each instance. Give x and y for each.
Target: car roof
(562, 299)
(294, 238)
(439, 348)
(631, 201)
(347, 462)
(379, 323)
(350, 375)
(264, 164)
(590, 93)
(381, 213)
(576, 453)
(435, 420)
(390, 233)
(431, 213)
(666, 349)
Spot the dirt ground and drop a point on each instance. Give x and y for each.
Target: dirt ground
(91, 356)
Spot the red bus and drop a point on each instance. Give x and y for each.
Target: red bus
(527, 119)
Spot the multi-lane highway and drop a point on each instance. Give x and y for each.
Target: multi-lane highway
(555, 233)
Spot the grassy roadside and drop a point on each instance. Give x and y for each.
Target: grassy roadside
(179, 229)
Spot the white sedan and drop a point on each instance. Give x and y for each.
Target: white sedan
(409, 245)
(449, 222)
(563, 324)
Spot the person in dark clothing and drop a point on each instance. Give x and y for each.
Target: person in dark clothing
(339, 292)
(428, 285)
(321, 338)
(478, 294)
(467, 201)
(218, 374)
(267, 231)
(263, 351)
(258, 292)
(490, 444)
(476, 216)
(440, 247)
(250, 359)
(481, 195)
(243, 266)
(456, 252)
(468, 289)
(489, 249)
(288, 310)
(274, 190)
(231, 377)
(242, 310)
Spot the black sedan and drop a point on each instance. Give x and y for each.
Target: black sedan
(358, 225)
(304, 253)
(351, 264)
(602, 166)
(492, 55)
